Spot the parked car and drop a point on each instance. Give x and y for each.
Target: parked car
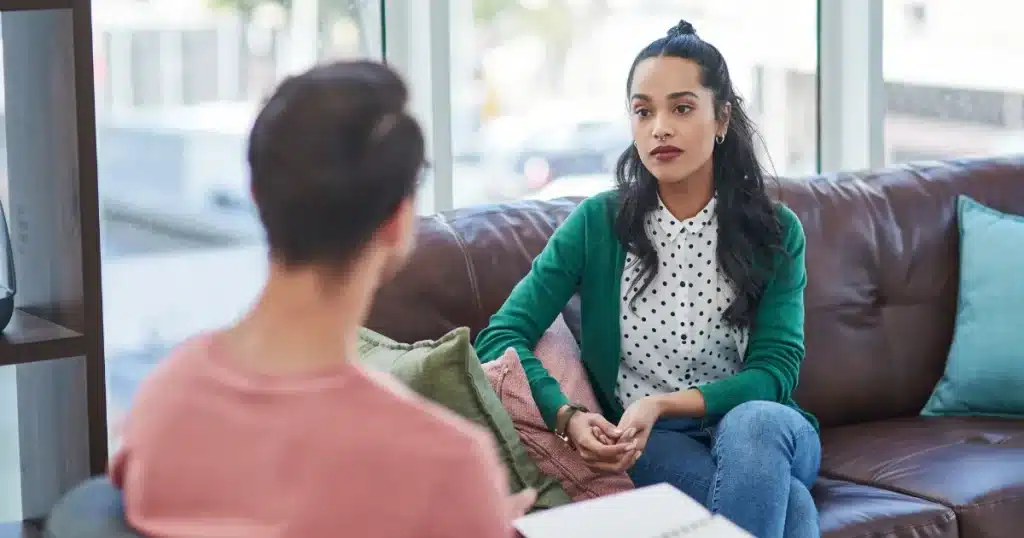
(580, 148)
(530, 154)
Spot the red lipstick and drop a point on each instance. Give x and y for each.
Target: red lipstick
(665, 153)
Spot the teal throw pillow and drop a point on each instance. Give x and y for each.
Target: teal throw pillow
(985, 368)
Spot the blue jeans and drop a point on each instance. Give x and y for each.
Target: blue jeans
(755, 467)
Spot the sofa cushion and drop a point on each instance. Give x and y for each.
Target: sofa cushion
(849, 510)
(985, 369)
(447, 371)
(974, 465)
(558, 352)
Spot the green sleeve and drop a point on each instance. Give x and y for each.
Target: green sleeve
(776, 347)
(534, 304)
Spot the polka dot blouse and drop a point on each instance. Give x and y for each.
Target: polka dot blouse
(672, 335)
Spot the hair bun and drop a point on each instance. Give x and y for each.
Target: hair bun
(683, 28)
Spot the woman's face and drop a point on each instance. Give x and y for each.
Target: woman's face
(673, 117)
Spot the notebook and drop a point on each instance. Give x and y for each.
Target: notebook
(659, 511)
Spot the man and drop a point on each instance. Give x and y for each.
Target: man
(268, 428)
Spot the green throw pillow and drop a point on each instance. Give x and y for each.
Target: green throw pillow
(985, 368)
(447, 371)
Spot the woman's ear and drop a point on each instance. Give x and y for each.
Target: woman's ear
(723, 119)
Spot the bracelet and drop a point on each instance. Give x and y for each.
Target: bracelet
(563, 432)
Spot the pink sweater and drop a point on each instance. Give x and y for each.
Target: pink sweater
(212, 450)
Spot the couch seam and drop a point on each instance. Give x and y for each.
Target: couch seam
(920, 496)
(984, 504)
(859, 482)
(923, 451)
(945, 517)
(850, 304)
(949, 513)
(470, 268)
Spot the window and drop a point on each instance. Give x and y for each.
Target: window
(538, 103)
(178, 84)
(961, 102)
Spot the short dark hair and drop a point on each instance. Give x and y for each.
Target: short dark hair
(332, 154)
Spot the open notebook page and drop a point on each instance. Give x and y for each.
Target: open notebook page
(659, 511)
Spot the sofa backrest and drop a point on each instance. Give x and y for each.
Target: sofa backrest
(463, 267)
(882, 260)
(882, 276)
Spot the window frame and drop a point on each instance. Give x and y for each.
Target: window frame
(851, 85)
(422, 53)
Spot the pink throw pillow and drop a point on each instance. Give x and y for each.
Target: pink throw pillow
(558, 352)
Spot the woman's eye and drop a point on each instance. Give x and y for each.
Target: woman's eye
(642, 112)
(683, 109)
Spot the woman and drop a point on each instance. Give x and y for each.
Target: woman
(691, 284)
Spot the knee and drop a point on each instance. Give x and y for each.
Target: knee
(761, 421)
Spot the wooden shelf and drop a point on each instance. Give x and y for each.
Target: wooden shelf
(26, 5)
(52, 200)
(30, 338)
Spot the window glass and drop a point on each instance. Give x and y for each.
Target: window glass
(178, 83)
(961, 102)
(538, 99)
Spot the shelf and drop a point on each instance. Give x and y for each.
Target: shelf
(34, 5)
(53, 203)
(29, 338)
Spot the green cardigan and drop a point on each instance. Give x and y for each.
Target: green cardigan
(584, 256)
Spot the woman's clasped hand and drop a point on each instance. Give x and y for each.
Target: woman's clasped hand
(607, 447)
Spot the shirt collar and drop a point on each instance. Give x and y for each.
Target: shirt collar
(667, 222)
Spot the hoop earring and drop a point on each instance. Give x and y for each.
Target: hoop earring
(719, 139)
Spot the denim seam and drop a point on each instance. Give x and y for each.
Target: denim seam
(713, 496)
(716, 478)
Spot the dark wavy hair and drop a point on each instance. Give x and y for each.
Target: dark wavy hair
(749, 231)
(332, 155)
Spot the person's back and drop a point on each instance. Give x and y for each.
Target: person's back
(215, 450)
(267, 429)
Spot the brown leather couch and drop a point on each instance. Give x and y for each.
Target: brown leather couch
(882, 265)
